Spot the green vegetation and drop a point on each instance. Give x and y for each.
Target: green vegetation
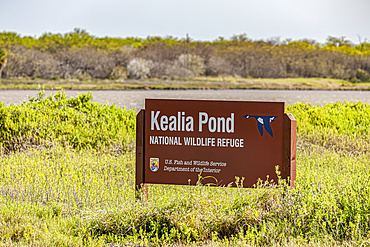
(193, 83)
(75, 122)
(81, 38)
(69, 194)
(80, 56)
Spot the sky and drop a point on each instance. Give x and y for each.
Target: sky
(200, 19)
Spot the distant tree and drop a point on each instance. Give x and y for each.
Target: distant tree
(287, 41)
(274, 41)
(80, 31)
(187, 38)
(78, 38)
(240, 37)
(154, 39)
(308, 41)
(220, 39)
(3, 61)
(363, 44)
(334, 41)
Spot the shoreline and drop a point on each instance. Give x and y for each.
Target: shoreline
(202, 83)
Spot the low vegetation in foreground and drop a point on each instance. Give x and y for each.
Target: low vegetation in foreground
(66, 180)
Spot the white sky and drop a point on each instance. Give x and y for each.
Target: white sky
(201, 19)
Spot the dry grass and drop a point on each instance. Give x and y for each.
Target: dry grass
(196, 83)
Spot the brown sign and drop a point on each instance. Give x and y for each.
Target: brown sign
(179, 139)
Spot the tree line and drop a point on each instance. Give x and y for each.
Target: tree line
(79, 55)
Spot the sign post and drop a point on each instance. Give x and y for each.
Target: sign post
(176, 140)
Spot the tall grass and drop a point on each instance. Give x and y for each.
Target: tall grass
(66, 195)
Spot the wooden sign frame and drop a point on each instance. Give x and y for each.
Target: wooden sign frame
(288, 166)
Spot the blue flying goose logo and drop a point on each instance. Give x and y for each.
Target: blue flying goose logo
(263, 121)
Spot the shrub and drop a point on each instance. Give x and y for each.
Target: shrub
(31, 63)
(192, 62)
(82, 75)
(118, 73)
(76, 122)
(362, 75)
(218, 66)
(3, 61)
(80, 62)
(139, 68)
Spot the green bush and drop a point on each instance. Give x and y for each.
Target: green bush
(76, 122)
(341, 126)
(343, 118)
